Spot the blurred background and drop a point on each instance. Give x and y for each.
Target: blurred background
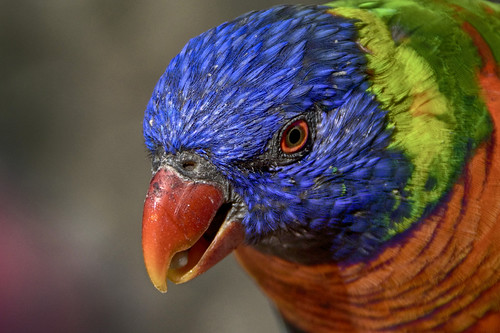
(75, 79)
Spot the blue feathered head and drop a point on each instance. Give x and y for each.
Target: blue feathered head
(276, 102)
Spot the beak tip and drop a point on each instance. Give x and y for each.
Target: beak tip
(162, 288)
(157, 276)
(160, 284)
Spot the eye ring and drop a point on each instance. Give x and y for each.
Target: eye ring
(294, 137)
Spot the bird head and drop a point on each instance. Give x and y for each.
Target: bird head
(262, 131)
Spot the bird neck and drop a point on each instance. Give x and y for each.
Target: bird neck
(440, 275)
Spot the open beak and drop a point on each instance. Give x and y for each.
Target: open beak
(187, 227)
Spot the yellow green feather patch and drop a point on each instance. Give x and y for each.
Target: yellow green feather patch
(422, 67)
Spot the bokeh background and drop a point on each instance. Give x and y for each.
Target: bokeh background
(75, 78)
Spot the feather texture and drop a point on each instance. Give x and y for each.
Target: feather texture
(387, 216)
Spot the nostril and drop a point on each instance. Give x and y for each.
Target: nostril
(189, 165)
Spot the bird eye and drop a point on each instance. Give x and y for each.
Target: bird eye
(294, 137)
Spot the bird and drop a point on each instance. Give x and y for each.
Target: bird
(347, 153)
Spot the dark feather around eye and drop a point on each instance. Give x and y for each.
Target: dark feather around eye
(274, 156)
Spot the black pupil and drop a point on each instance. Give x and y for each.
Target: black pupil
(294, 136)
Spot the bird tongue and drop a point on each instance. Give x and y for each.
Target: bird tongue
(177, 212)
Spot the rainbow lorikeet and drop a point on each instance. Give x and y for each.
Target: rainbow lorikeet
(348, 152)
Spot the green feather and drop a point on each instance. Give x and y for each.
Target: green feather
(423, 68)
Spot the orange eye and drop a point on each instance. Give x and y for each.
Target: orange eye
(294, 137)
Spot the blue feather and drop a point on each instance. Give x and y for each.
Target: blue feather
(230, 92)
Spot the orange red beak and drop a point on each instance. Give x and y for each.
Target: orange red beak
(175, 239)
